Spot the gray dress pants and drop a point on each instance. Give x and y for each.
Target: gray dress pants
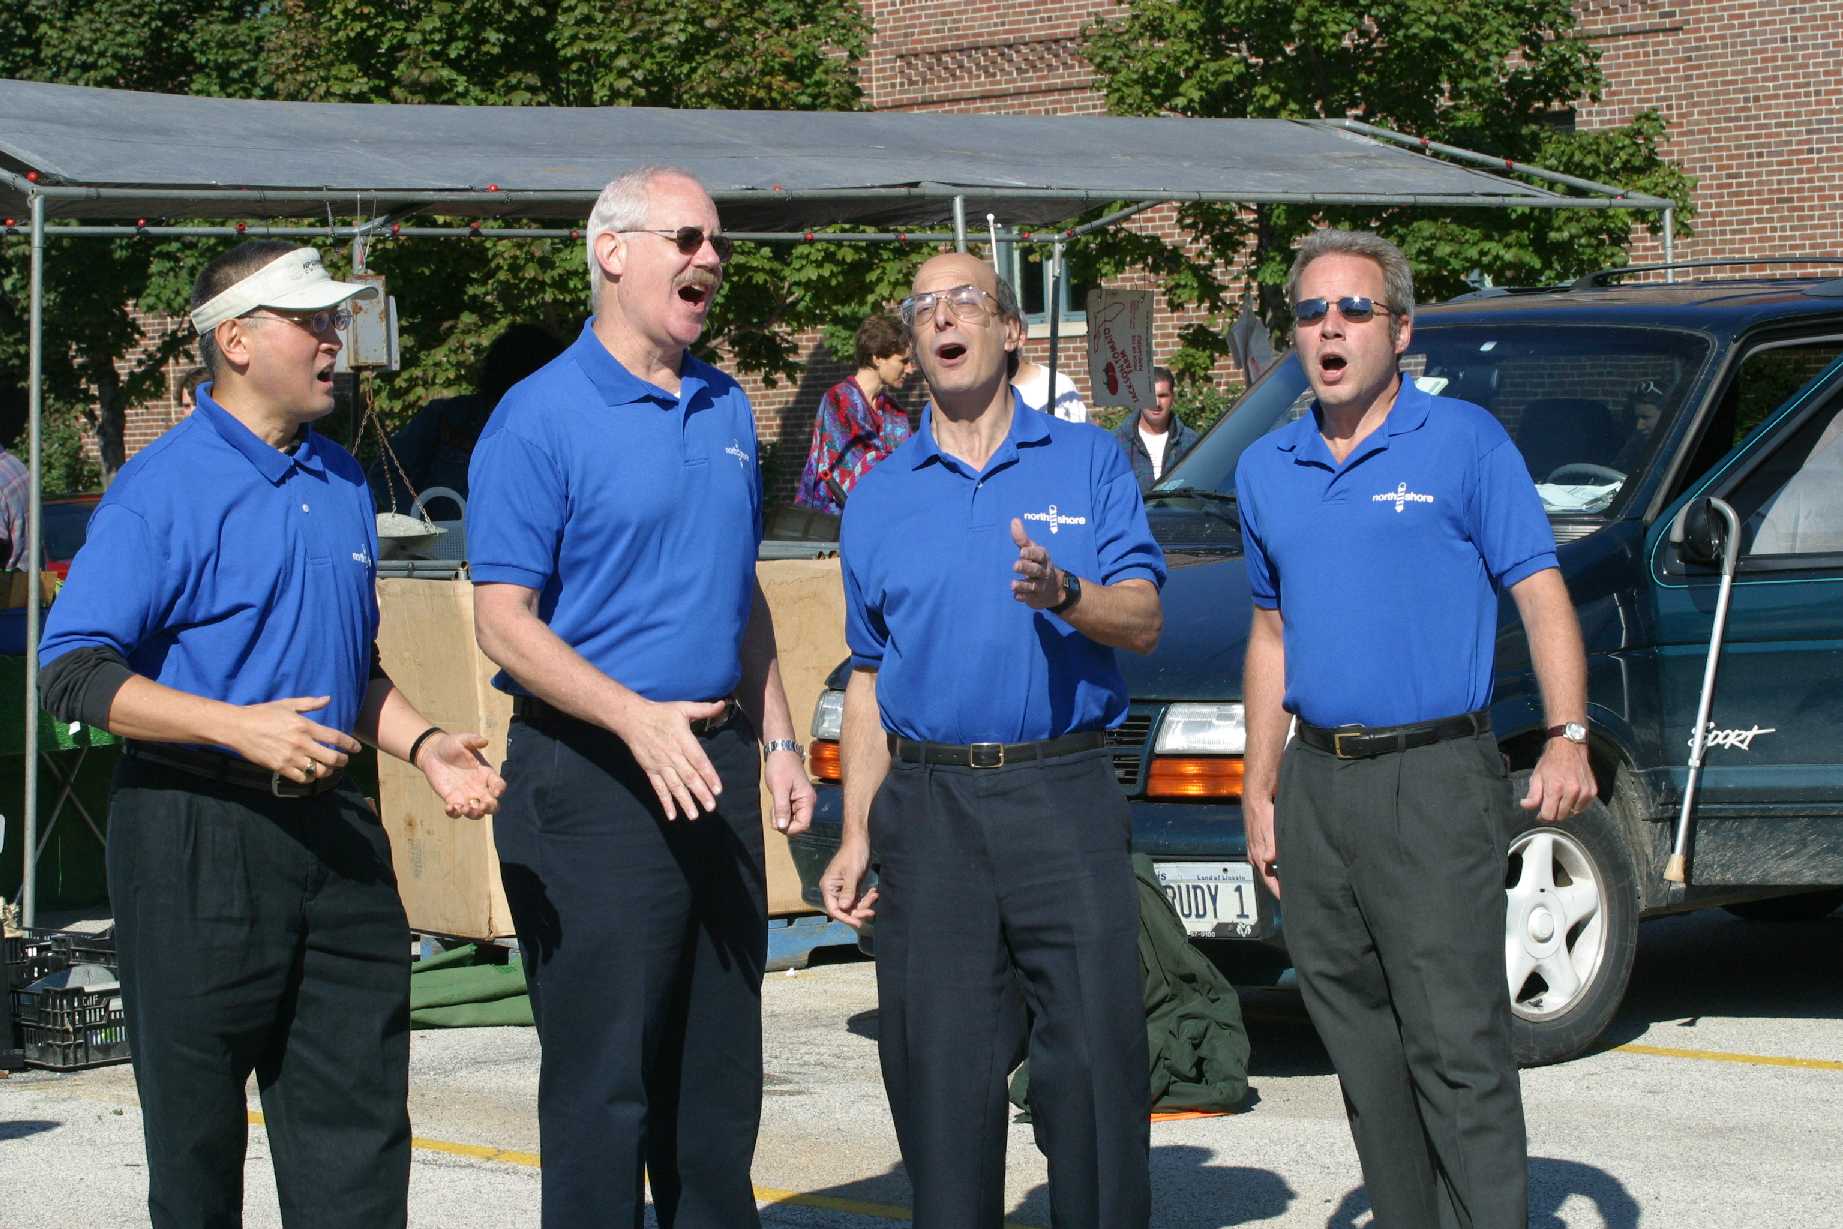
(1392, 878)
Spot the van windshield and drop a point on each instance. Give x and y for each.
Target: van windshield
(1587, 407)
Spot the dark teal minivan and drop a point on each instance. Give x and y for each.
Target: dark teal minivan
(1634, 403)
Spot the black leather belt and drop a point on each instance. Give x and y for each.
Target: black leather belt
(1357, 742)
(992, 755)
(213, 766)
(536, 711)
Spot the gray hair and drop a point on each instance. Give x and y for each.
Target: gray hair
(1008, 309)
(1397, 276)
(623, 205)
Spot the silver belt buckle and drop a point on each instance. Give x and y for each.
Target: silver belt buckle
(986, 755)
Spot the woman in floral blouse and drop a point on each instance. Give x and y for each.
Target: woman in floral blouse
(858, 423)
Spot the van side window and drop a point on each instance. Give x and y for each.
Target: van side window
(1793, 503)
(1768, 375)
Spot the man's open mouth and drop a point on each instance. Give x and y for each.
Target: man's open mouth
(950, 351)
(696, 288)
(1331, 364)
(324, 374)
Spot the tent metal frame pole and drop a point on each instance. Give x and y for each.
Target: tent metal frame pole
(959, 223)
(1670, 245)
(1511, 165)
(35, 377)
(1054, 282)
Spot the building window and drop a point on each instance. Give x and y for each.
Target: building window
(1028, 265)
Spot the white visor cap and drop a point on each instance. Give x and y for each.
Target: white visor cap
(294, 282)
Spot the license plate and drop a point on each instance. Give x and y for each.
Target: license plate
(1214, 899)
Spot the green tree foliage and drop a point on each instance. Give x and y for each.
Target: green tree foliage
(454, 296)
(1497, 76)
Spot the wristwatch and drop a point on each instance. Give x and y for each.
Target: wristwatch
(1573, 731)
(781, 744)
(1071, 593)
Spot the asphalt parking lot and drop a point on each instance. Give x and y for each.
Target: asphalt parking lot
(1715, 1099)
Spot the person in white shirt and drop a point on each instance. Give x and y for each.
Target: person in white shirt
(1155, 439)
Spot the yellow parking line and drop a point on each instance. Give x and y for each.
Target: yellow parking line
(1720, 1056)
(763, 1194)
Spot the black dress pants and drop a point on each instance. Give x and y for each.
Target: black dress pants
(262, 934)
(644, 942)
(1392, 876)
(992, 881)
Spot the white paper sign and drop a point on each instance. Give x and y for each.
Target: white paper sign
(1120, 347)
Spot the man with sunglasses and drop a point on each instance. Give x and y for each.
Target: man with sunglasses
(1379, 530)
(992, 565)
(222, 617)
(613, 528)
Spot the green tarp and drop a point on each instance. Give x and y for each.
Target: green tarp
(457, 990)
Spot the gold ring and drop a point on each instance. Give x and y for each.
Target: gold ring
(312, 770)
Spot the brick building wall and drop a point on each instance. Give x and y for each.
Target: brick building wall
(1750, 89)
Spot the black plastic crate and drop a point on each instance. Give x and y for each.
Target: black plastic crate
(71, 1029)
(63, 1029)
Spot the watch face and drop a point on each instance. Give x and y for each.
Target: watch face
(1574, 732)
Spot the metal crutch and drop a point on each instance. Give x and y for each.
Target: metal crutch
(1698, 743)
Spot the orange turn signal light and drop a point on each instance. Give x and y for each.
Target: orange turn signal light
(822, 758)
(1194, 776)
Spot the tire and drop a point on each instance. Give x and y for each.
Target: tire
(1570, 931)
(1804, 907)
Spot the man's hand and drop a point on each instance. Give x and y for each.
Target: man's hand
(660, 738)
(790, 791)
(841, 888)
(276, 736)
(460, 775)
(1263, 850)
(1562, 783)
(1039, 585)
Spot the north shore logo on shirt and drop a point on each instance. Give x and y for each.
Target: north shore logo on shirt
(735, 450)
(1056, 518)
(1401, 497)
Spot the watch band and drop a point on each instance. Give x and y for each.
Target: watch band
(782, 744)
(1071, 592)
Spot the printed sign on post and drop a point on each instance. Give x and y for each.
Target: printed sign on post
(1120, 347)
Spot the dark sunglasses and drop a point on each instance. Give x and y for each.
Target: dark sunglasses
(688, 239)
(1353, 307)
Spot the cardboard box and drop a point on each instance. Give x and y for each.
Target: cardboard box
(19, 584)
(447, 869)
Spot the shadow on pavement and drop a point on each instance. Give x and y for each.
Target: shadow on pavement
(19, 1128)
(1552, 1183)
(1712, 963)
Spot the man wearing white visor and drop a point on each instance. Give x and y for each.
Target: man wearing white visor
(222, 619)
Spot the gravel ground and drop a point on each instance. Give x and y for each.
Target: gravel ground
(1714, 1133)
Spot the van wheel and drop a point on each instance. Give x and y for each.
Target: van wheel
(1804, 907)
(1571, 931)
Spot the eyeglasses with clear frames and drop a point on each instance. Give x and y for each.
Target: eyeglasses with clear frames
(318, 323)
(967, 303)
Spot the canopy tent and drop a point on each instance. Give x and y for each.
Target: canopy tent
(122, 155)
(84, 156)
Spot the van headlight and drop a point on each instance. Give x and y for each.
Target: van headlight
(1198, 729)
(829, 715)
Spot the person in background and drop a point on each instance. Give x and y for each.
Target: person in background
(15, 497)
(858, 423)
(433, 448)
(1032, 379)
(186, 396)
(1155, 438)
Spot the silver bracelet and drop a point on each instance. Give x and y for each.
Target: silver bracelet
(782, 744)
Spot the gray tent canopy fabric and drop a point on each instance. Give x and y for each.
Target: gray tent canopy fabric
(118, 154)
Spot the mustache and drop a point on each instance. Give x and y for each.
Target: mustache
(702, 278)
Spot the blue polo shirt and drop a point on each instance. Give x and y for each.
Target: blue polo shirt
(222, 567)
(927, 558)
(1386, 569)
(634, 512)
